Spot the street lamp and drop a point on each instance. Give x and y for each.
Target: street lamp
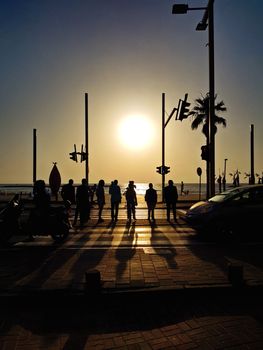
(207, 20)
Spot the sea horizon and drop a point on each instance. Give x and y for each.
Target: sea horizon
(191, 187)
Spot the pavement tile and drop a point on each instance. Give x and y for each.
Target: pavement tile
(180, 268)
(188, 346)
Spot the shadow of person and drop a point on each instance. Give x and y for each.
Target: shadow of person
(125, 252)
(166, 250)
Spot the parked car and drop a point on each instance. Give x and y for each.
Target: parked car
(237, 212)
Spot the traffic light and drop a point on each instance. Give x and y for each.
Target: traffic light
(166, 169)
(204, 152)
(73, 156)
(159, 169)
(83, 156)
(184, 110)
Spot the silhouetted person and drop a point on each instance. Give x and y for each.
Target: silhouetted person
(39, 214)
(115, 193)
(41, 198)
(131, 200)
(237, 179)
(68, 192)
(170, 197)
(83, 204)
(92, 192)
(151, 200)
(219, 181)
(100, 198)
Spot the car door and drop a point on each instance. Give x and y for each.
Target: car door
(254, 210)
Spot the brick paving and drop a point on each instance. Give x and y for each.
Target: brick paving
(170, 297)
(185, 324)
(54, 268)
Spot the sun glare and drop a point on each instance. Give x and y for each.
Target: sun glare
(135, 132)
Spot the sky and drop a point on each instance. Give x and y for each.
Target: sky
(125, 55)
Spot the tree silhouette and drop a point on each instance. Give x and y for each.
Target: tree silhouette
(200, 113)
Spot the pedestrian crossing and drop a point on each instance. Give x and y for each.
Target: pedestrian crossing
(137, 233)
(141, 213)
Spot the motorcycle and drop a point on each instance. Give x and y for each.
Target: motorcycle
(9, 219)
(55, 223)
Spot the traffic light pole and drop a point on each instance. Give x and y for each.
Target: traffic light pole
(181, 110)
(86, 138)
(252, 173)
(163, 143)
(34, 155)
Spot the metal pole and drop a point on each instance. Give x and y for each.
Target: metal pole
(224, 178)
(34, 155)
(225, 168)
(86, 138)
(200, 187)
(208, 166)
(211, 97)
(252, 174)
(163, 144)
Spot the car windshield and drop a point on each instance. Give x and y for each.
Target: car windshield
(221, 197)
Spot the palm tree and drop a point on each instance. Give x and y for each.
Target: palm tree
(200, 112)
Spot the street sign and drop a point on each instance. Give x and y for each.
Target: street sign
(199, 171)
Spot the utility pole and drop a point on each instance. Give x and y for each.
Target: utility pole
(252, 174)
(34, 155)
(224, 177)
(86, 138)
(163, 144)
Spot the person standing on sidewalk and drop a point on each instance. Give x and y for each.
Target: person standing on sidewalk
(115, 193)
(100, 198)
(83, 204)
(170, 197)
(131, 199)
(151, 200)
(68, 192)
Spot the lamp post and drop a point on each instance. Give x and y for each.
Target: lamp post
(207, 20)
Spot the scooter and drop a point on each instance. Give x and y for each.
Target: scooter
(55, 223)
(9, 219)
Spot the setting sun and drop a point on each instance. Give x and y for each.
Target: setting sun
(135, 132)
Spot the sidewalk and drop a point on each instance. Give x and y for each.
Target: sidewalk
(171, 297)
(63, 269)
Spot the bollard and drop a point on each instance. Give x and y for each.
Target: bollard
(93, 281)
(235, 274)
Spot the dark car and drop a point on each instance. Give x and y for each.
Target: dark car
(237, 212)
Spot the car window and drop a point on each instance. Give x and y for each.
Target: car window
(253, 195)
(244, 197)
(221, 197)
(256, 195)
(240, 194)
